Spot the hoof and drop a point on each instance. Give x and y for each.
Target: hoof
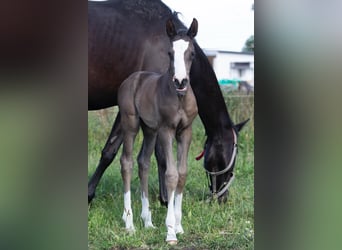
(172, 242)
(179, 230)
(90, 197)
(171, 238)
(130, 230)
(163, 202)
(150, 226)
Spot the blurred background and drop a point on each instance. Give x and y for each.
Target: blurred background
(43, 123)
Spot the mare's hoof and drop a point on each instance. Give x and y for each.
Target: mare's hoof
(162, 201)
(90, 197)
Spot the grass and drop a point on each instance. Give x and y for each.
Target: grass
(207, 225)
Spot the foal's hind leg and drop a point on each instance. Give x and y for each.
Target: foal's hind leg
(108, 153)
(130, 125)
(144, 160)
(160, 156)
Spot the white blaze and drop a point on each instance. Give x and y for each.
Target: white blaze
(179, 47)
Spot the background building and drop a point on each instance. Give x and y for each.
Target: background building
(231, 67)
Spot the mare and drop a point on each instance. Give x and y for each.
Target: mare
(163, 105)
(125, 36)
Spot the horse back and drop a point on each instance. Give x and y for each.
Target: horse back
(123, 37)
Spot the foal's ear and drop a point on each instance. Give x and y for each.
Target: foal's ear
(241, 125)
(170, 28)
(192, 31)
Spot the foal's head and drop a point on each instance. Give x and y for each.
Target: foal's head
(181, 54)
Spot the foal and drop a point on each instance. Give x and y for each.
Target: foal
(164, 106)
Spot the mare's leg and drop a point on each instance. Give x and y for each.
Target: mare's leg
(171, 180)
(161, 161)
(144, 161)
(130, 125)
(108, 153)
(183, 144)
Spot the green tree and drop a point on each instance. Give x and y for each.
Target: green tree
(249, 45)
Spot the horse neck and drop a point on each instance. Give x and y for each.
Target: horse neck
(211, 105)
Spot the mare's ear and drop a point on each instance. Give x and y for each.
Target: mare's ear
(241, 125)
(170, 28)
(192, 31)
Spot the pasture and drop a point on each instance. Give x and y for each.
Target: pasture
(207, 225)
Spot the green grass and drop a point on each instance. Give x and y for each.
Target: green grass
(207, 225)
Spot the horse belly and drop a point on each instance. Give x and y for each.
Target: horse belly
(146, 101)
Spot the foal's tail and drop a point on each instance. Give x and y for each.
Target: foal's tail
(161, 173)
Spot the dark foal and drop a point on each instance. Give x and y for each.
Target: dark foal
(163, 105)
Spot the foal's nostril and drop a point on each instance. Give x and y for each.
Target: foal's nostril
(176, 81)
(184, 81)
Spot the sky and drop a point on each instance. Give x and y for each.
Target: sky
(222, 24)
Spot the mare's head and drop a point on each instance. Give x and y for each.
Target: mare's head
(219, 161)
(181, 54)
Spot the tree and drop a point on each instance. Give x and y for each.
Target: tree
(249, 45)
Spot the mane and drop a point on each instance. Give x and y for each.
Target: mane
(147, 9)
(213, 87)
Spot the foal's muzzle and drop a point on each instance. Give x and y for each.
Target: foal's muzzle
(182, 86)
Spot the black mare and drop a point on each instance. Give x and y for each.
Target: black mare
(125, 36)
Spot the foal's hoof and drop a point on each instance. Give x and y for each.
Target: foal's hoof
(179, 230)
(130, 230)
(149, 226)
(172, 242)
(171, 238)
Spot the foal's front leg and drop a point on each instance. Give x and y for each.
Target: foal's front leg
(183, 144)
(171, 180)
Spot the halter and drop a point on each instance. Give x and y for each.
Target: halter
(226, 184)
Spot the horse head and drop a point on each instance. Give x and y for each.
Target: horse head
(182, 53)
(219, 161)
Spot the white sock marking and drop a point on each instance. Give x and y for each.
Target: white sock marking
(178, 213)
(128, 213)
(145, 211)
(170, 220)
